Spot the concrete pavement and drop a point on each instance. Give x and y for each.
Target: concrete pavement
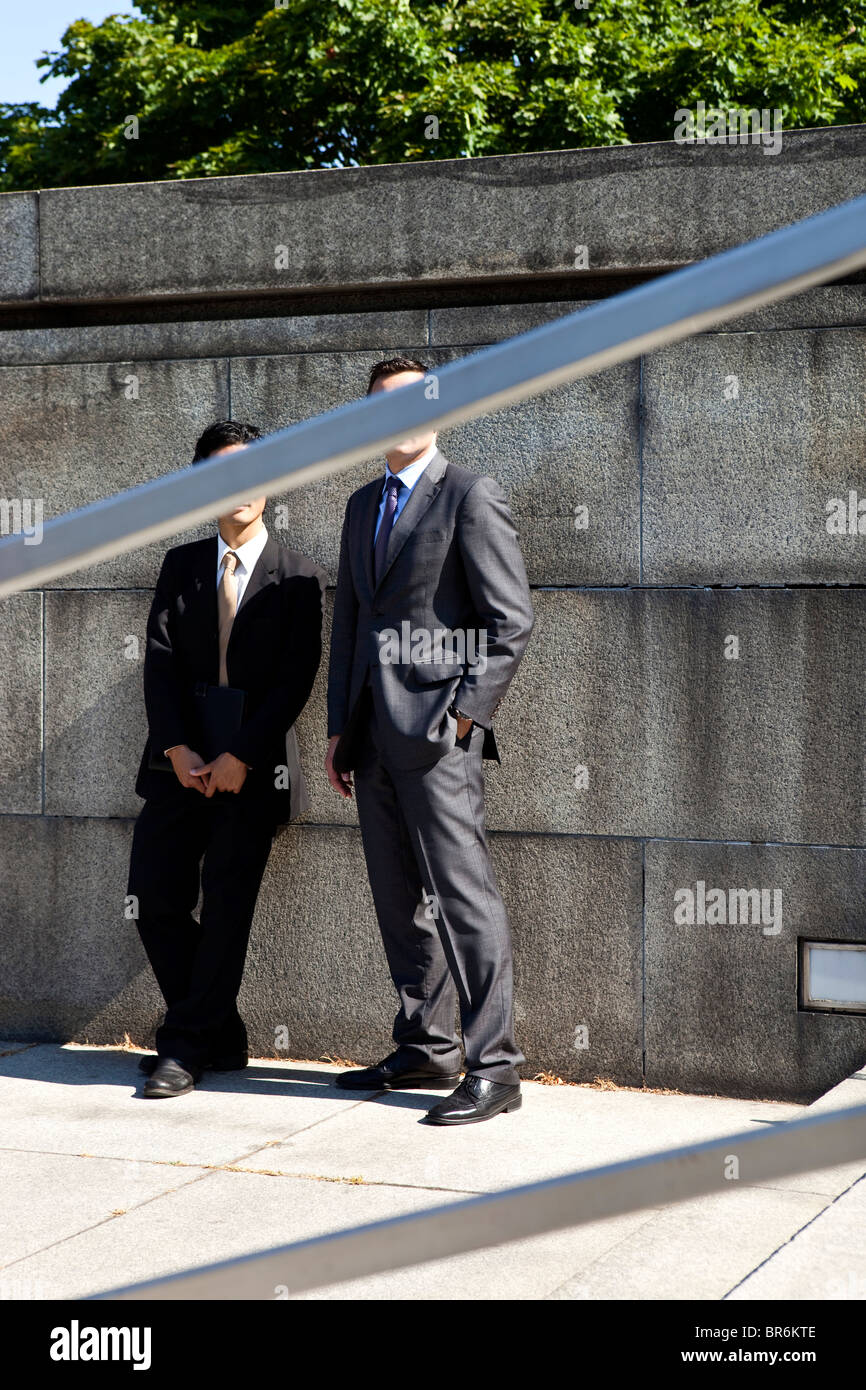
(103, 1189)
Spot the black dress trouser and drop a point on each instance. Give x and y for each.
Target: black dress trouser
(184, 842)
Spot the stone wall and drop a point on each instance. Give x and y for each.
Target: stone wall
(131, 316)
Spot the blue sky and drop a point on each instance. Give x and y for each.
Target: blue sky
(28, 27)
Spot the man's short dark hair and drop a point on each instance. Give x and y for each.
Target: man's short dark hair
(222, 433)
(392, 365)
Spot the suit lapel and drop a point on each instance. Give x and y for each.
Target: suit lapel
(262, 575)
(201, 617)
(204, 570)
(368, 527)
(420, 498)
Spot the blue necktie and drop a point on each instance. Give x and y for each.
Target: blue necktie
(393, 486)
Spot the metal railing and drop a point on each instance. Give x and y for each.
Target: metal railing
(738, 1160)
(664, 311)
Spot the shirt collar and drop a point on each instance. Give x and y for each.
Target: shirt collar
(412, 472)
(247, 554)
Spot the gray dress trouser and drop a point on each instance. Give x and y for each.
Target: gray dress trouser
(442, 919)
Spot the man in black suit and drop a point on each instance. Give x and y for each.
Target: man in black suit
(239, 613)
(431, 617)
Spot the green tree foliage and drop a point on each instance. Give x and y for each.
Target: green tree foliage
(244, 86)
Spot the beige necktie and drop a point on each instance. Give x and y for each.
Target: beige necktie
(227, 602)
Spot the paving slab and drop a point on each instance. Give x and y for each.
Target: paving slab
(84, 1195)
(277, 1154)
(695, 1249)
(560, 1129)
(825, 1260)
(87, 1101)
(235, 1213)
(527, 1269)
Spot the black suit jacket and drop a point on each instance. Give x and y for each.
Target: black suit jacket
(273, 654)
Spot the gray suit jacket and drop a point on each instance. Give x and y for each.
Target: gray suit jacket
(453, 571)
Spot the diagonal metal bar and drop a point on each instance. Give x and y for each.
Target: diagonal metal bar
(664, 311)
(799, 1146)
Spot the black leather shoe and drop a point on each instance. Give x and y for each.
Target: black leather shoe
(170, 1079)
(230, 1063)
(388, 1076)
(475, 1099)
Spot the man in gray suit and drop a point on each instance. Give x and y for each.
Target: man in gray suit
(431, 617)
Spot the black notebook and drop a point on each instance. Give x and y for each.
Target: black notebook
(219, 716)
(220, 711)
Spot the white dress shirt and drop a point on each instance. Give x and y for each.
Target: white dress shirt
(247, 554)
(408, 477)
